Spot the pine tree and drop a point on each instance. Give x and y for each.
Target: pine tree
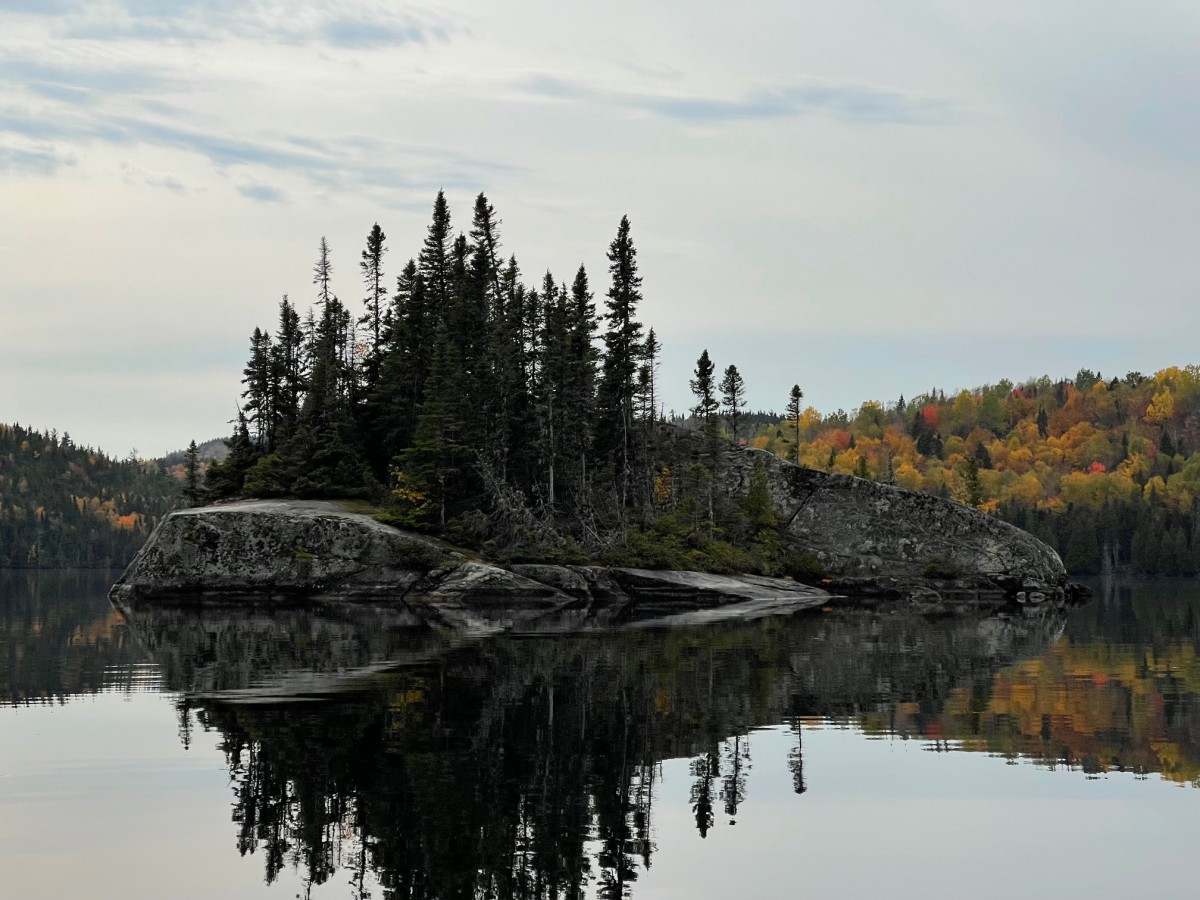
(434, 466)
(435, 261)
(579, 389)
(260, 388)
(622, 341)
(322, 271)
(373, 319)
(793, 415)
(861, 470)
(971, 484)
(287, 374)
(733, 396)
(650, 354)
(757, 506)
(703, 388)
(554, 366)
(191, 474)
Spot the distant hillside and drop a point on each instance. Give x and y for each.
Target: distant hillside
(212, 450)
(1106, 471)
(62, 505)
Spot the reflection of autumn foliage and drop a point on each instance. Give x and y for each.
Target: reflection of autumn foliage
(61, 637)
(1086, 704)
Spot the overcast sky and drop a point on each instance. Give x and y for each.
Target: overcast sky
(863, 196)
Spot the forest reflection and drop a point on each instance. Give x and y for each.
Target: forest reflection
(527, 766)
(532, 766)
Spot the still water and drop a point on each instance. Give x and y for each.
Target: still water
(828, 754)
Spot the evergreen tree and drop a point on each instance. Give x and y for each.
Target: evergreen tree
(650, 354)
(733, 396)
(433, 467)
(260, 390)
(972, 486)
(622, 341)
(579, 389)
(322, 272)
(372, 270)
(704, 389)
(191, 474)
(792, 413)
(435, 261)
(757, 506)
(861, 470)
(287, 374)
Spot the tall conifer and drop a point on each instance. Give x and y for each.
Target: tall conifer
(622, 343)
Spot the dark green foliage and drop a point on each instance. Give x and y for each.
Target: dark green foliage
(759, 510)
(482, 410)
(733, 397)
(192, 491)
(375, 300)
(616, 438)
(1144, 537)
(971, 484)
(793, 414)
(861, 470)
(940, 568)
(704, 390)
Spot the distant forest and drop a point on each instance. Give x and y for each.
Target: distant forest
(65, 506)
(526, 421)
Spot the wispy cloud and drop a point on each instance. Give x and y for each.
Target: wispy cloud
(366, 33)
(850, 102)
(83, 84)
(137, 175)
(314, 22)
(350, 162)
(262, 193)
(33, 161)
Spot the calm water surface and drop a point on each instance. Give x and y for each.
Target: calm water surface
(839, 754)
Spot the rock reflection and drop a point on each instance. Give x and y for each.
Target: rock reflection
(526, 766)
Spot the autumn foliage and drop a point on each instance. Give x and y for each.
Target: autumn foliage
(1117, 456)
(62, 505)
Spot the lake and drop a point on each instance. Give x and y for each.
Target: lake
(836, 753)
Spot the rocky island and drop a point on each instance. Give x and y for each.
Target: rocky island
(869, 540)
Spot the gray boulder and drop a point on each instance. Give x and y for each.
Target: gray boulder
(278, 552)
(869, 537)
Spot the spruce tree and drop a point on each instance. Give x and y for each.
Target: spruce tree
(322, 272)
(375, 299)
(579, 390)
(793, 415)
(287, 373)
(733, 396)
(622, 340)
(435, 261)
(704, 389)
(191, 474)
(259, 388)
(434, 467)
(650, 352)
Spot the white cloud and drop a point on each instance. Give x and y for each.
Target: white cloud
(795, 173)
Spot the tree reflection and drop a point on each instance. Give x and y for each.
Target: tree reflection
(526, 767)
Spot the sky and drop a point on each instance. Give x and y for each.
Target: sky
(864, 197)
